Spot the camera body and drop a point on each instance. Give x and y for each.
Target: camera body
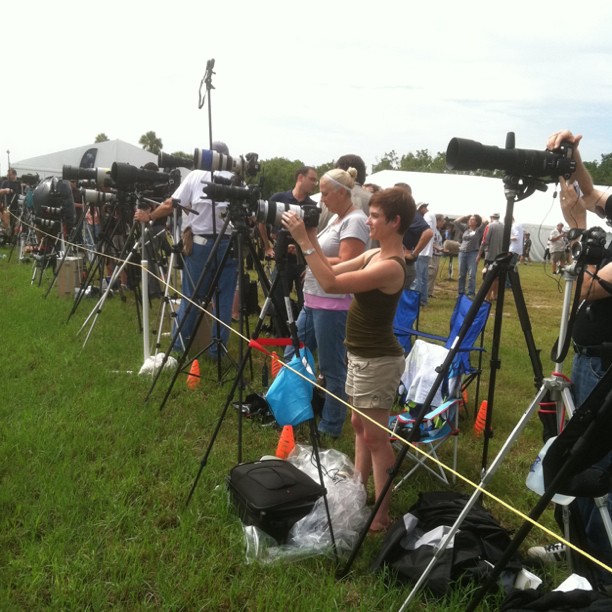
(591, 249)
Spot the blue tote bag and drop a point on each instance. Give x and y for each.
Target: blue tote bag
(289, 395)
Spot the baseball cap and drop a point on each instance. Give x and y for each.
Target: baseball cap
(220, 147)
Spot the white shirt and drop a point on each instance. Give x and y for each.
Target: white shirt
(430, 218)
(191, 193)
(516, 239)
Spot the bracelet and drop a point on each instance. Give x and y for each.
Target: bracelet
(308, 252)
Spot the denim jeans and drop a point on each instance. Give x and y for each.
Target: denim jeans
(324, 331)
(467, 267)
(194, 264)
(586, 373)
(421, 281)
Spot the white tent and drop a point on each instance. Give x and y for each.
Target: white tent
(98, 155)
(457, 195)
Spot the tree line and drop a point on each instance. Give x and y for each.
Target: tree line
(278, 173)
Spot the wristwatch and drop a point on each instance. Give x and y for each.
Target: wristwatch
(308, 252)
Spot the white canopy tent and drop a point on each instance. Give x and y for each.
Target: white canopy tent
(97, 155)
(457, 195)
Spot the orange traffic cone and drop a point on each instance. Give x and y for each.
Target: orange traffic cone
(277, 364)
(286, 442)
(193, 378)
(481, 418)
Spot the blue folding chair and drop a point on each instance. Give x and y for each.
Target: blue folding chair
(472, 341)
(406, 319)
(440, 423)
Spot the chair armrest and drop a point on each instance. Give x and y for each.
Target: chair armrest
(406, 418)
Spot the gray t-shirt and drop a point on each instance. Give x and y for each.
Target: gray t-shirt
(352, 225)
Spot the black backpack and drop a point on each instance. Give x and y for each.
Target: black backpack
(477, 546)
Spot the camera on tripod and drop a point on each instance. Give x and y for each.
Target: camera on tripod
(207, 159)
(101, 176)
(167, 161)
(53, 204)
(129, 177)
(591, 249)
(463, 154)
(270, 212)
(30, 179)
(93, 196)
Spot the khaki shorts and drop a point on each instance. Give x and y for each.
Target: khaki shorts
(372, 382)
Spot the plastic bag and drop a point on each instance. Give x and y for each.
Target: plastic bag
(346, 498)
(289, 395)
(535, 478)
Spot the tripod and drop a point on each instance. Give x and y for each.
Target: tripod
(24, 236)
(281, 277)
(175, 262)
(239, 238)
(48, 250)
(515, 189)
(112, 227)
(583, 449)
(70, 246)
(554, 390)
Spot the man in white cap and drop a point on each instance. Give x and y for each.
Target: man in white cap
(200, 229)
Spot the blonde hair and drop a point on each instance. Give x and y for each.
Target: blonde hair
(344, 179)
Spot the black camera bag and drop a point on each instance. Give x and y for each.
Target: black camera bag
(272, 495)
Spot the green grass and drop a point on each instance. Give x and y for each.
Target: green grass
(93, 480)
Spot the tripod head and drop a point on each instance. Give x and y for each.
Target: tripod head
(521, 187)
(281, 246)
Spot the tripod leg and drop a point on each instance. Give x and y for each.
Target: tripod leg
(230, 396)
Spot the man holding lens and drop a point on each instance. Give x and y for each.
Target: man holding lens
(306, 181)
(200, 229)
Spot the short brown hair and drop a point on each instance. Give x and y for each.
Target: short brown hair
(395, 202)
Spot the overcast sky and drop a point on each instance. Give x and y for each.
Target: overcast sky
(306, 80)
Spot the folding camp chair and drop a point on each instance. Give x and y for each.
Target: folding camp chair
(406, 319)
(473, 341)
(440, 423)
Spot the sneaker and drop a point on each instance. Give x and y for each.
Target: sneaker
(552, 553)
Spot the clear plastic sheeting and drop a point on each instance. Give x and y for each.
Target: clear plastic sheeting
(346, 498)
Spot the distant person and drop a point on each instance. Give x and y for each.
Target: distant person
(471, 237)
(421, 281)
(438, 250)
(491, 247)
(516, 246)
(372, 187)
(10, 190)
(557, 248)
(415, 239)
(526, 256)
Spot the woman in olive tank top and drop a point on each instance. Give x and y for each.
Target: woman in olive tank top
(375, 358)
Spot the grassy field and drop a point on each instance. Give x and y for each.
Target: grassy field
(94, 479)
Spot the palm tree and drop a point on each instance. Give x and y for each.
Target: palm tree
(150, 142)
